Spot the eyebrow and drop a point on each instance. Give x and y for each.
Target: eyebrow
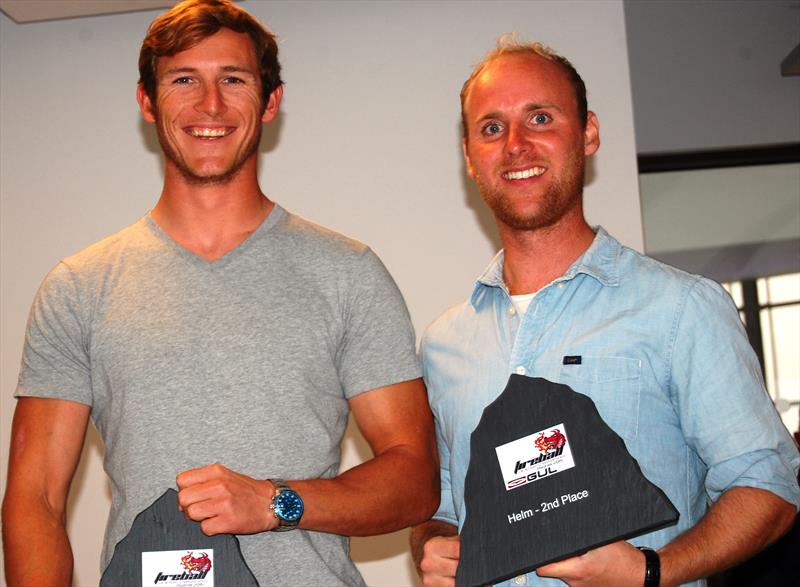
(225, 69)
(238, 69)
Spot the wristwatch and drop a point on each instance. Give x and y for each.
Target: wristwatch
(287, 506)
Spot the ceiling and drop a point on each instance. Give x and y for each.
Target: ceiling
(34, 11)
(21, 11)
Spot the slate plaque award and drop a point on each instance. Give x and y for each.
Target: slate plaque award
(165, 548)
(547, 480)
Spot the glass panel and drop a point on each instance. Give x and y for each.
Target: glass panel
(779, 289)
(734, 288)
(763, 291)
(781, 338)
(769, 354)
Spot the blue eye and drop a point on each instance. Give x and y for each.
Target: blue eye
(541, 118)
(492, 128)
(183, 80)
(233, 80)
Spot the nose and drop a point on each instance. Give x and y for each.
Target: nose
(211, 100)
(517, 141)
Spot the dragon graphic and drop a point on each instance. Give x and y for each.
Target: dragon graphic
(196, 564)
(550, 443)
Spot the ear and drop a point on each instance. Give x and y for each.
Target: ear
(145, 104)
(273, 104)
(465, 151)
(591, 135)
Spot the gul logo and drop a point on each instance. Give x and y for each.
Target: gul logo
(534, 457)
(195, 567)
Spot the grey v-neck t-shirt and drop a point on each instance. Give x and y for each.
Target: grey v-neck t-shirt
(248, 361)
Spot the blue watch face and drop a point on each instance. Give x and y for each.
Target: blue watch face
(289, 506)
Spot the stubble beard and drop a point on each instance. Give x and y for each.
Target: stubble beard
(560, 197)
(192, 176)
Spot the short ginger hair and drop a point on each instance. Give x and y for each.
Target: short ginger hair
(508, 45)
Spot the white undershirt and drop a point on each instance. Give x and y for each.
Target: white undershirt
(522, 301)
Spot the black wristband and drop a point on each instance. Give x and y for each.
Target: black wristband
(652, 568)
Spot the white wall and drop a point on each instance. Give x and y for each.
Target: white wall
(368, 144)
(713, 208)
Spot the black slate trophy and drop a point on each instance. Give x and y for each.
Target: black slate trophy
(164, 547)
(547, 480)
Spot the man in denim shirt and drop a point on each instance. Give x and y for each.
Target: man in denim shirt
(663, 353)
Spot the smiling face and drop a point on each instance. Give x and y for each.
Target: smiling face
(526, 145)
(208, 108)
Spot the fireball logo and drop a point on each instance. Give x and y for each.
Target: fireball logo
(550, 443)
(196, 564)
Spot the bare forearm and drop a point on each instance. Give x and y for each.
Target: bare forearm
(35, 544)
(398, 487)
(391, 491)
(741, 523)
(46, 440)
(423, 532)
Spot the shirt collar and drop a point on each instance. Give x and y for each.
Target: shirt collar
(598, 261)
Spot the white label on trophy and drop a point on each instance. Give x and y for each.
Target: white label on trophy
(534, 457)
(178, 568)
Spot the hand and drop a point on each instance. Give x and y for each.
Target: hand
(226, 502)
(614, 565)
(439, 561)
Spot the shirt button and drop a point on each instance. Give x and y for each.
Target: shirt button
(520, 371)
(520, 580)
(560, 286)
(512, 310)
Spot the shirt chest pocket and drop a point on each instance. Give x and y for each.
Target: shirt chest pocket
(613, 384)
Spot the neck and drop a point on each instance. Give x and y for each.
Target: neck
(534, 258)
(211, 220)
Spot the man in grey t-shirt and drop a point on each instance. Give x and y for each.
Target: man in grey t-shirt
(218, 345)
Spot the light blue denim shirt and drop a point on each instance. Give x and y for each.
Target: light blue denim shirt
(664, 357)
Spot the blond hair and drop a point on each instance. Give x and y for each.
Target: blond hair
(509, 45)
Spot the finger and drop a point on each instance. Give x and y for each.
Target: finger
(199, 475)
(212, 526)
(201, 510)
(563, 568)
(440, 556)
(449, 567)
(437, 565)
(214, 488)
(202, 492)
(190, 477)
(191, 495)
(437, 581)
(451, 547)
(443, 546)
